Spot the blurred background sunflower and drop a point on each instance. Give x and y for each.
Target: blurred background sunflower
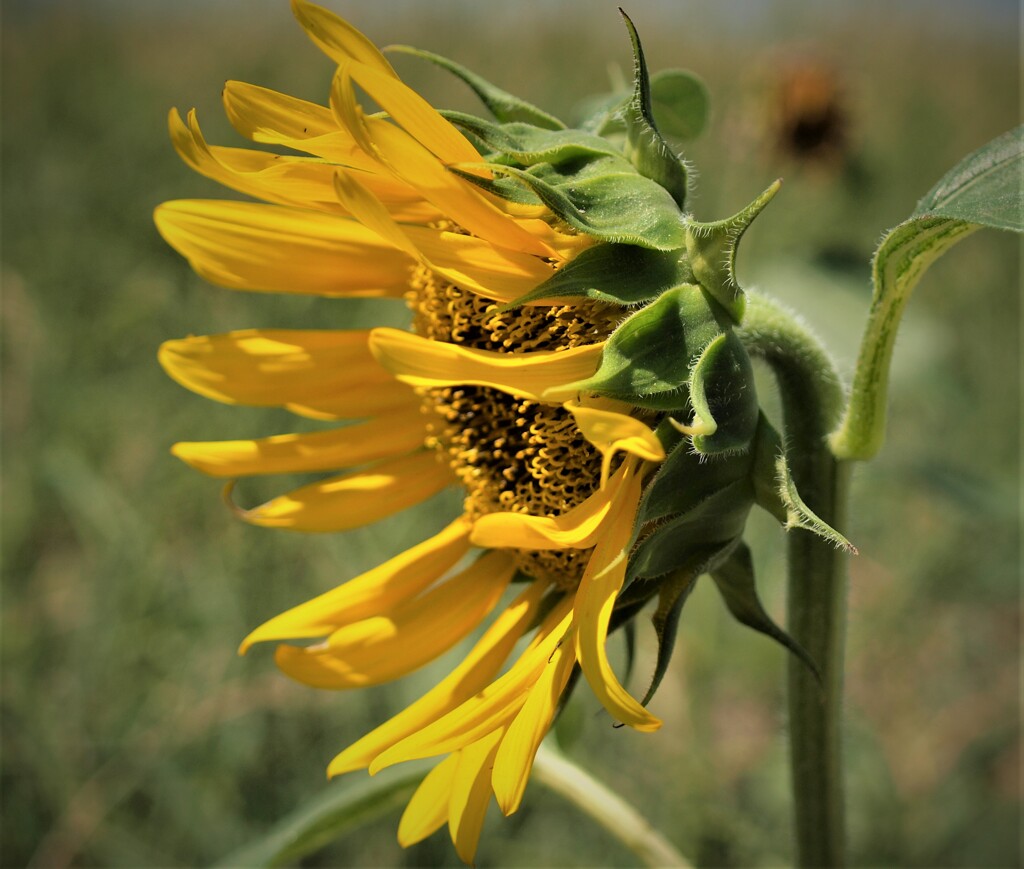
(133, 735)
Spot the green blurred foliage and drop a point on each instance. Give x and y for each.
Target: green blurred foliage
(132, 734)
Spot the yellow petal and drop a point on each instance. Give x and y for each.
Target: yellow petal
(479, 266)
(423, 362)
(251, 246)
(611, 432)
(514, 758)
(578, 528)
(595, 600)
(454, 196)
(471, 794)
(323, 373)
(284, 180)
(370, 593)
(464, 260)
(356, 499)
(471, 676)
(338, 39)
(386, 436)
(264, 115)
(415, 115)
(427, 810)
(493, 707)
(385, 647)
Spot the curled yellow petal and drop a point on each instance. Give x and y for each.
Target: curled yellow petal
(454, 196)
(423, 362)
(578, 528)
(427, 810)
(514, 758)
(355, 499)
(284, 180)
(470, 677)
(493, 707)
(471, 794)
(415, 115)
(338, 39)
(251, 246)
(593, 606)
(378, 590)
(611, 432)
(385, 647)
(466, 261)
(393, 434)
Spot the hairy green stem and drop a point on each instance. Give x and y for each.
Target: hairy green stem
(812, 401)
(612, 812)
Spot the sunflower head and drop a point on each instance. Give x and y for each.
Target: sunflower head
(574, 363)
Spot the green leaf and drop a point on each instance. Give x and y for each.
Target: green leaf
(336, 811)
(647, 360)
(735, 581)
(503, 105)
(645, 147)
(985, 189)
(723, 397)
(622, 273)
(607, 204)
(680, 103)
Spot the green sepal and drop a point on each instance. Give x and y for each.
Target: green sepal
(645, 147)
(607, 203)
(609, 272)
(776, 492)
(723, 397)
(503, 105)
(712, 249)
(714, 525)
(734, 578)
(685, 480)
(524, 145)
(647, 360)
(672, 594)
(506, 188)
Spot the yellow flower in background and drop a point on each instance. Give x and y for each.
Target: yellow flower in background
(573, 365)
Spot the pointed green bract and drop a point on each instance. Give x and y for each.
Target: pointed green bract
(734, 578)
(712, 250)
(645, 147)
(623, 273)
(672, 594)
(503, 105)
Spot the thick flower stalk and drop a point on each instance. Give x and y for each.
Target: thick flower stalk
(574, 364)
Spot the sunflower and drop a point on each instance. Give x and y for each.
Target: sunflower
(571, 326)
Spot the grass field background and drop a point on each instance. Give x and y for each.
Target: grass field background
(134, 736)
